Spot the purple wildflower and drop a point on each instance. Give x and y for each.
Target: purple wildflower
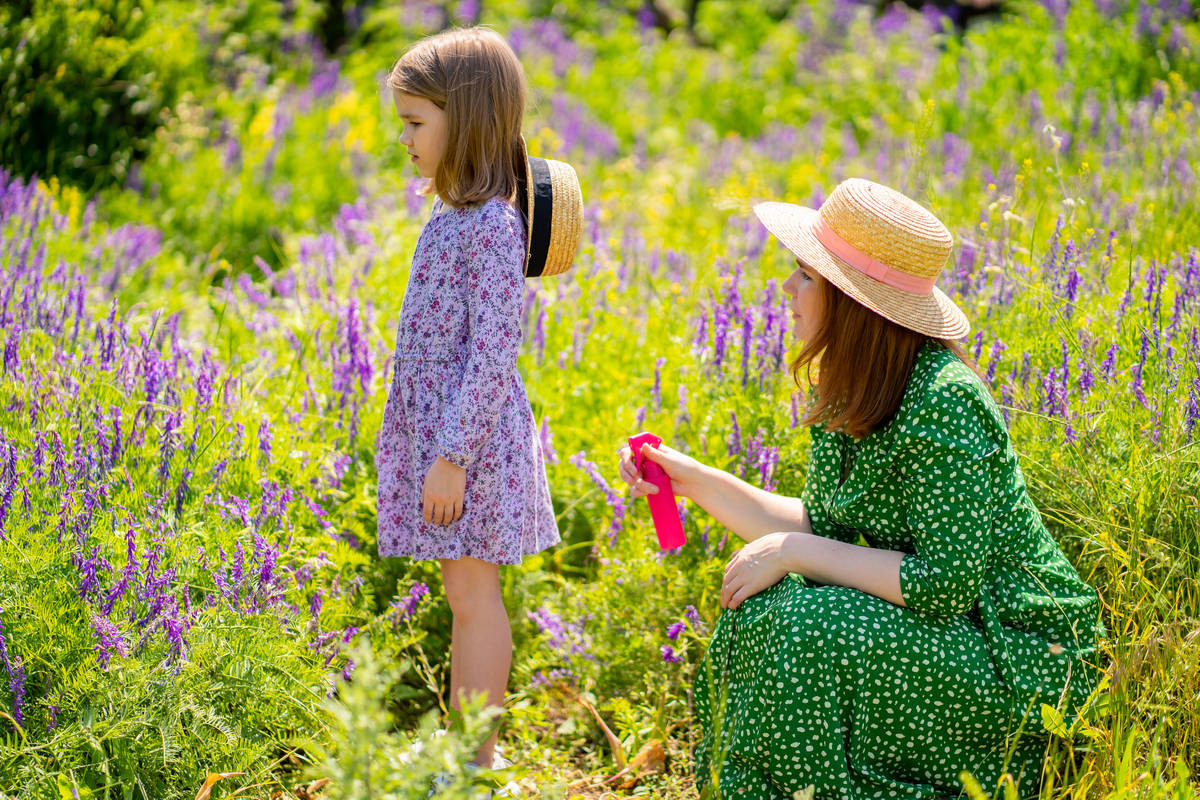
(565, 638)
(674, 629)
(1187, 296)
(615, 500)
(16, 684)
(998, 348)
(1086, 380)
(1193, 408)
(682, 417)
(110, 638)
(4, 658)
(768, 461)
(656, 391)
(16, 676)
(173, 628)
(539, 333)
(747, 339)
(1072, 290)
(12, 362)
(167, 444)
(547, 441)
(89, 569)
(669, 655)
(264, 442)
(9, 479)
(1139, 370)
(407, 607)
(1109, 366)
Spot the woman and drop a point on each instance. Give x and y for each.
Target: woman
(887, 668)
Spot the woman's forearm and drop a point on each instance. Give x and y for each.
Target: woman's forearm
(746, 510)
(868, 569)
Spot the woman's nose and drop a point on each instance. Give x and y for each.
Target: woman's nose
(789, 286)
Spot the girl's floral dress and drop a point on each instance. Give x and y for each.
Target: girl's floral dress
(456, 393)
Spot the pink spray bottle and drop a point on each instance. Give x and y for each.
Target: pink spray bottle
(662, 505)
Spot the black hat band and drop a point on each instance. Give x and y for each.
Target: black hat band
(540, 217)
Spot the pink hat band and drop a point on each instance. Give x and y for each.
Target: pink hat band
(867, 265)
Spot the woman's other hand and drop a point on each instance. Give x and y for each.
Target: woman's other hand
(443, 491)
(760, 564)
(685, 472)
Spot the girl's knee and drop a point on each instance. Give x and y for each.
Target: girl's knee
(471, 587)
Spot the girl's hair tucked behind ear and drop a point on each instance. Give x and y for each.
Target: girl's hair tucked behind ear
(474, 76)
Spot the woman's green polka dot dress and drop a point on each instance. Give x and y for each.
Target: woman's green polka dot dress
(835, 688)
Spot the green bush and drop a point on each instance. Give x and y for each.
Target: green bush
(82, 86)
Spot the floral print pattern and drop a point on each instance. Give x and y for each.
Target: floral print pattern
(456, 393)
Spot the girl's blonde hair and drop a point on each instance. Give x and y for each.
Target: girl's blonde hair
(474, 76)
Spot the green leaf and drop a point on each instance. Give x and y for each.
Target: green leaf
(1052, 721)
(68, 789)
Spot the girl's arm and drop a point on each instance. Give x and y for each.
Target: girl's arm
(495, 288)
(746, 510)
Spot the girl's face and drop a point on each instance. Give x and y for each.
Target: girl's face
(807, 304)
(424, 133)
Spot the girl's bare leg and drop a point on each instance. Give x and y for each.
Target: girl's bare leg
(481, 639)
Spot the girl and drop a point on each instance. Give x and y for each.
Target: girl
(884, 670)
(461, 473)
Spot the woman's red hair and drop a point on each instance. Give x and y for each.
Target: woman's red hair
(862, 361)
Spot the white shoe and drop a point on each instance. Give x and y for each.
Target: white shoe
(510, 789)
(440, 781)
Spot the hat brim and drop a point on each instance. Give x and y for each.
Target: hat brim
(553, 215)
(933, 313)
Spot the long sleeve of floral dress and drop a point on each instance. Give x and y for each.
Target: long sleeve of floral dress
(495, 279)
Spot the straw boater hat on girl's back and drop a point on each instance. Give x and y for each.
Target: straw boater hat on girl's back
(878, 246)
(553, 215)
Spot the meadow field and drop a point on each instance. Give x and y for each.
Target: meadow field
(206, 222)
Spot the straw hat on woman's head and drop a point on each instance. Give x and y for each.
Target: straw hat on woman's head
(878, 246)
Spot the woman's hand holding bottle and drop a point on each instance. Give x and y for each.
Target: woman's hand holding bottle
(686, 473)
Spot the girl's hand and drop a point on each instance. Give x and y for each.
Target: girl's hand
(685, 472)
(760, 564)
(443, 491)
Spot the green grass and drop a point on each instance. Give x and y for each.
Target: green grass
(1046, 146)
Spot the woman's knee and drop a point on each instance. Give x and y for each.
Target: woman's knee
(828, 614)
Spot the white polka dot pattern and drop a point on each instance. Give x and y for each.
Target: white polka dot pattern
(835, 688)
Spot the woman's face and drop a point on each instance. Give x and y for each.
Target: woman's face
(807, 304)
(424, 133)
